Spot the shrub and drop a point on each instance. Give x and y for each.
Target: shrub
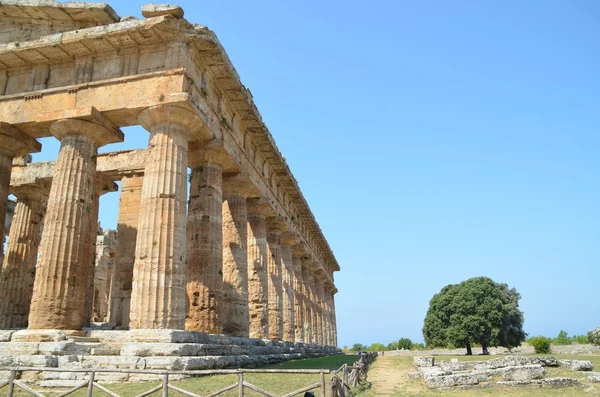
(540, 344)
(594, 336)
(581, 339)
(404, 343)
(562, 339)
(417, 346)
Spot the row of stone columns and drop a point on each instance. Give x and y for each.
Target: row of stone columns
(230, 266)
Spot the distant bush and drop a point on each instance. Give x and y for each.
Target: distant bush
(581, 339)
(417, 346)
(540, 344)
(358, 347)
(376, 347)
(562, 339)
(594, 336)
(405, 343)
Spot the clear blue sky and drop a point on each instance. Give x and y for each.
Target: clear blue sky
(435, 141)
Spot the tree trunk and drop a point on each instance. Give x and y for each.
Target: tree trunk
(485, 349)
(469, 351)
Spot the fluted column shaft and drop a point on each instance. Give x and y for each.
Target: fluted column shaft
(205, 248)
(234, 300)
(13, 143)
(18, 271)
(314, 308)
(298, 298)
(274, 265)
(5, 171)
(91, 258)
(158, 296)
(307, 302)
(334, 319)
(127, 226)
(287, 302)
(258, 277)
(62, 272)
(320, 310)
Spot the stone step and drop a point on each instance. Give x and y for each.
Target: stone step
(83, 339)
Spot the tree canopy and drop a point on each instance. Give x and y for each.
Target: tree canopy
(476, 311)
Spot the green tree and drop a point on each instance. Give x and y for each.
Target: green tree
(358, 347)
(562, 338)
(405, 343)
(376, 347)
(476, 311)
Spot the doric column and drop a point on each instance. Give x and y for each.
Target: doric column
(288, 240)
(102, 186)
(298, 252)
(319, 286)
(275, 226)
(328, 289)
(13, 143)
(205, 240)
(314, 322)
(258, 277)
(333, 317)
(127, 227)
(18, 271)
(158, 295)
(62, 272)
(307, 299)
(234, 298)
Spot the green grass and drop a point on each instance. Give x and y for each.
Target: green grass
(330, 362)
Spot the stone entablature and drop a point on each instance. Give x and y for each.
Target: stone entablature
(78, 72)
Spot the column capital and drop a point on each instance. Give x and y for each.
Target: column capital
(299, 249)
(276, 224)
(39, 191)
(289, 238)
(16, 142)
(212, 153)
(90, 123)
(156, 116)
(239, 184)
(260, 206)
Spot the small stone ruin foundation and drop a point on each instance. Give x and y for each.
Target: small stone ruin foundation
(518, 371)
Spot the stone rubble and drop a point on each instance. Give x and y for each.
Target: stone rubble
(516, 371)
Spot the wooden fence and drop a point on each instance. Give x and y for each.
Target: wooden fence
(351, 377)
(13, 381)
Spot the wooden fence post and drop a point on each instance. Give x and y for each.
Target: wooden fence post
(345, 379)
(241, 384)
(165, 385)
(90, 388)
(11, 383)
(323, 387)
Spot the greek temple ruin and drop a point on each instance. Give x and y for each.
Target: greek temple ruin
(239, 266)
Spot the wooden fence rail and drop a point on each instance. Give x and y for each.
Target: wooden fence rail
(165, 386)
(351, 376)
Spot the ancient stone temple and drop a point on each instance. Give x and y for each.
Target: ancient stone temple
(239, 264)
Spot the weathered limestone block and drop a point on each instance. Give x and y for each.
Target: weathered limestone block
(555, 383)
(158, 298)
(62, 272)
(577, 365)
(453, 366)
(6, 335)
(162, 349)
(156, 10)
(594, 377)
(449, 381)
(258, 278)
(424, 361)
(535, 384)
(523, 372)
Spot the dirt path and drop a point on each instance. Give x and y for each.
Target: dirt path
(388, 375)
